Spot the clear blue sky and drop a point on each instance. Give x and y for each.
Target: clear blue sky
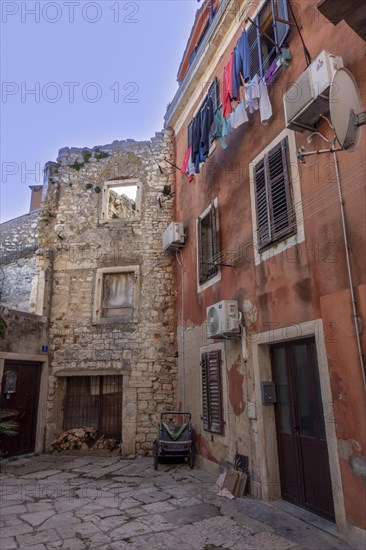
(100, 71)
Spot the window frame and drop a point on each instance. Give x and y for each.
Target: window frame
(264, 165)
(215, 275)
(98, 295)
(298, 235)
(281, 31)
(107, 186)
(212, 422)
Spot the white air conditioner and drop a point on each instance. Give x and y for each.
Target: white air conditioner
(173, 236)
(308, 97)
(223, 319)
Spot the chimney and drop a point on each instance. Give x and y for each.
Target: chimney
(36, 197)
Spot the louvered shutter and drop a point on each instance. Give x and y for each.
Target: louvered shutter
(201, 256)
(214, 93)
(205, 410)
(282, 219)
(281, 29)
(254, 45)
(189, 132)
(215, 391)
(214, 244)
(262, 203)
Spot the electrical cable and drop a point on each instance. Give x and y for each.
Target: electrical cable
(305, 50)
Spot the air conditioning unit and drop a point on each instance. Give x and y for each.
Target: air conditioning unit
(173, 236)
(309, 96)
(223, 319)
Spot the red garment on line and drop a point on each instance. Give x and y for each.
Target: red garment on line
(227, 87)
(186, 160)
(185, 163)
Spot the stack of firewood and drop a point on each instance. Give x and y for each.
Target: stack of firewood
(75, 439)
(105, 442)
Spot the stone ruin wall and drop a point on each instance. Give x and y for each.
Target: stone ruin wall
(74, 242)
(18, 245)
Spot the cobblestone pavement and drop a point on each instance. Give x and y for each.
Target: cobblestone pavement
(81, 502)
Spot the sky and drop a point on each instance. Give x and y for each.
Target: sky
(79, 74)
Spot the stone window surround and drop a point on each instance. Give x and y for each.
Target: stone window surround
(292, 240)
(217, 277)
(105, 199)
(98, 294)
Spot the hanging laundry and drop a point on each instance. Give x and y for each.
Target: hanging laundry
(185, 161)
(253, 94)
(227, 86)
(265, 107)
(239, 115)
(221, 128)
(271, 71)
(242, 63)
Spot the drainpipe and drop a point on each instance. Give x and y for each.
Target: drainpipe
(350, 278)
(300, 155)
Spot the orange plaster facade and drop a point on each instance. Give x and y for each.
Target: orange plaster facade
(301, 291)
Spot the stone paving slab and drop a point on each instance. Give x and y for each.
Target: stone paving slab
(90, 502)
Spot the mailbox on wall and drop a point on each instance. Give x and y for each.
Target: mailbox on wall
(268, 393)
(10, 383)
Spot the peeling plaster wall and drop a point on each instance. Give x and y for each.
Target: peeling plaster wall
(303, 285)
(74, 243)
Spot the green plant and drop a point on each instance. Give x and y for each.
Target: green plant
(97, 189)
(86, 155)
(98, 154)
(88, 186)
(8, 427)
(77, 165)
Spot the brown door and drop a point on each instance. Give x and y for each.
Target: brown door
(302, 445)
(19, 392)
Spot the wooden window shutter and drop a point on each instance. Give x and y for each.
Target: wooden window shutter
(281, 29)
(262, 203)
(189, 134)
(205, 409)
(215, 391)
(208, 245)
(254, 44)
(282, 219)
(275, 213)
(202, 254)
(214, 239)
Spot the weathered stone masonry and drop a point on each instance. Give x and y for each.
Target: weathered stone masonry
(75, 241)
(19, 242)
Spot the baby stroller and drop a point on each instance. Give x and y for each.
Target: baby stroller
(174, 437)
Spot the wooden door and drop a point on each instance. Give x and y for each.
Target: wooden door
(22, 379)
(302, 444)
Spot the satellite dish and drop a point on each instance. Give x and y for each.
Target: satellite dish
(345, 105)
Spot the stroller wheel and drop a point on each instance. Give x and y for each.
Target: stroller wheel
(192, 456)
(156, 456)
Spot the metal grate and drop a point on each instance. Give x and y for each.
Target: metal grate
(94, 402)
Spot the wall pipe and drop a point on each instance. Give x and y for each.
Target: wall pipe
(350, 278)
(334, 150)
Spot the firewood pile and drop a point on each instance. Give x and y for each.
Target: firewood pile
(83, 439)
(75, 439)
(105, 442)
